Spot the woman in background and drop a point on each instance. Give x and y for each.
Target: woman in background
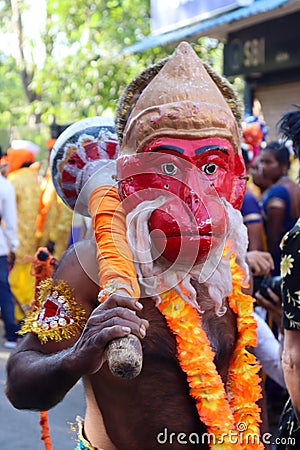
(281, 201)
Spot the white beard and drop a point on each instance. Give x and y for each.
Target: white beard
(214, 274)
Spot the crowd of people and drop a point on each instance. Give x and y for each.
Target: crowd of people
(178, 134)
(271, 208)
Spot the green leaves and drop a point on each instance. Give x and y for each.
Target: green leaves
(81, 70)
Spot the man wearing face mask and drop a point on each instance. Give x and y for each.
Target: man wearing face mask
(181, 181)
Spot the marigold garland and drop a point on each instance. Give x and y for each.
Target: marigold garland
(231, 417)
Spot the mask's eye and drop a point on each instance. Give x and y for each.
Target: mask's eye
(210, 169)
(169, 169)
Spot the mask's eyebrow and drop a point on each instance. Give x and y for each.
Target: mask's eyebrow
(206, 148)
(169, 147)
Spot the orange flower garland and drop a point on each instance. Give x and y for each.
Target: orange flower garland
(232, 417)
(244, 382)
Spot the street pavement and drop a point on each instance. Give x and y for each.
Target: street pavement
(20, 430)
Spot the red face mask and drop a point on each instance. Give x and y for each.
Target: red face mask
(193, 175)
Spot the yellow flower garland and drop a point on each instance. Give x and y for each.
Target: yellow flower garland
(232, 418)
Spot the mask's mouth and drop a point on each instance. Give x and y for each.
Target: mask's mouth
(205, 231)
(184, 249)
(158, 234)
(190, 234)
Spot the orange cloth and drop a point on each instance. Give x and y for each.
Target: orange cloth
(54, 218)
(45, 435)
(50, 143)
(113, 253)
(16, 158)
(27, 190)
(47, 197)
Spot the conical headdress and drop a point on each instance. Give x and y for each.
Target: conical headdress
(182, 99)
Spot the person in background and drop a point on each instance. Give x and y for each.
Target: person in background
(279, 205)
(8, 246)
(281, 201)
(254, 135)
(258, 184)
(252, 218)
(268, 351)
(251, 213)
(24, 177)
(261, 263)
(289, 427)
(251, 209)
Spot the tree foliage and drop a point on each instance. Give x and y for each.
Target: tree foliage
(80, 69)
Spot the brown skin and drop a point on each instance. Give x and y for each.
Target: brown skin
(261, 181)
(11, 260)
(291, 366)
(291, 350)
(274, 309)
(272, 170)
(39, 376)
(255, 234)
(276, 213)
(261, 263)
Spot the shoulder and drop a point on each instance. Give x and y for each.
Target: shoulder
(279, 190)
(291, 240)
(79, 268)
(250, 201)
(250, 210)
(278, 196)
(80, 257)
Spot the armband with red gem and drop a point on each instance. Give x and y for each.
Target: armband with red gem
(55, 315)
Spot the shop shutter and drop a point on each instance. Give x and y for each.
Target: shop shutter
(273, 101)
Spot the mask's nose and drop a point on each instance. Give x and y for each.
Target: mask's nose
(193, 202)
(195, 188)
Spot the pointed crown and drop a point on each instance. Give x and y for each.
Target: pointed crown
(180, 96)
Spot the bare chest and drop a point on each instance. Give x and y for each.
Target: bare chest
(156, 405)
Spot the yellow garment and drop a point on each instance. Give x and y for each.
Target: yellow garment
(27, 190)
(22, 285)
(54, 218)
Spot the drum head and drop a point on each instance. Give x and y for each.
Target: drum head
(78, 153)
